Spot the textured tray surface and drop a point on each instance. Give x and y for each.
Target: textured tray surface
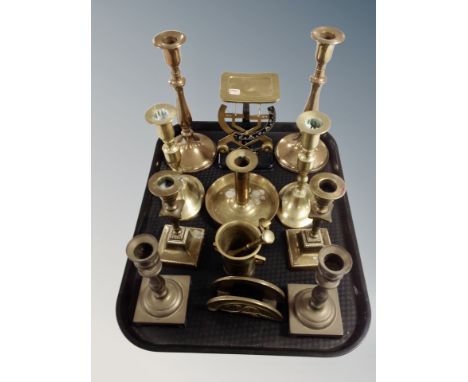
(230, 333)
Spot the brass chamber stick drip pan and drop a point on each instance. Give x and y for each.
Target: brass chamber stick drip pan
(221, 332)
(242, 195)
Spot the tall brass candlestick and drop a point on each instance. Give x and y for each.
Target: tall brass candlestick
(287, 149)
(197, 150)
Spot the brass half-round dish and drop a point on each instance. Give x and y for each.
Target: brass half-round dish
(263, 201)
(191, 193)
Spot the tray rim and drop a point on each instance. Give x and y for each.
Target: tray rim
(341, 350)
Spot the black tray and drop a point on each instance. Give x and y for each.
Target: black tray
(220, 332)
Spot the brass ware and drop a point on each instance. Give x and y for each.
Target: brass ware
(287, 149)
(305, 244)
(239, 243)
(315, 309)
(241, 195)
(250, 87)
(162, 115)
(177, 245)
(161, 300)
(247, 295)
(191, 191)
(297, 198)
(197, 151)
(245, 89)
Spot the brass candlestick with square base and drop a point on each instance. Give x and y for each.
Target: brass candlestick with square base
(161, 300)
(177, 245)
(315, 309)
(305, 244)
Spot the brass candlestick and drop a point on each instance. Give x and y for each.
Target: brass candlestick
(191, 192)
(296, 198)
(177, 244)
(161, 300)
(197, 151)
(305, 244)
(242, 195)
(162, 115)
(315, 309)
(287, 149)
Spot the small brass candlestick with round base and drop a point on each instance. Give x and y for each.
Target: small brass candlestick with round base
(297, 198)
(191, 191)
(242, 195)
(177, 245)
(162, 115)
(305, 244)
(161, 300)
(315, 309)
(197, 151)
(287, 149)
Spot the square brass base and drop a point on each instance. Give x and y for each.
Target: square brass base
(176, 318)
(296, 327)
(181, 250)
(304, 255)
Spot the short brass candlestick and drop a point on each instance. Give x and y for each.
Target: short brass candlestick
(242, 195)
(191, 192)
(177, 245)
(296, 198)
(161, 300)
(162, 115)
(304, 244)
(315, 309)
(287, 149)
(197, 150)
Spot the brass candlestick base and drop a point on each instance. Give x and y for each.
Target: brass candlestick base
(191, 191)
(303, 248)
(182, 247)
(161, 300)
(315, 309)
(287, 150)
(197, 151)
(247, 295)
(242, 195)
(297, 197)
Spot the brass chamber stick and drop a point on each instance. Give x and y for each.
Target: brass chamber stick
(242, 195)
(305, 244)
(177, 245)
(315, 309)
(297, 198)
(287, 149)
(161, 300)
(197, 151)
